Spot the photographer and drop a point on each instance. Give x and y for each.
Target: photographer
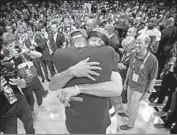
(26, 70)
(13, 103)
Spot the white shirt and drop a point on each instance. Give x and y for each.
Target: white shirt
(48, 44)
(153, 32)
(55, 37)
(50, 50)
(22, 38)
(32, 42)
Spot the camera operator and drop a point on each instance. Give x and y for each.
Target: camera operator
(26, 70)
(13, 103)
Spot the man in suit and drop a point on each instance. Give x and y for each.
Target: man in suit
(56, 39)
(45, 48)
(30, 43)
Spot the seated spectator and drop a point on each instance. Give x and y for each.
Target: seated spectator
(168, 83)
(171, 118)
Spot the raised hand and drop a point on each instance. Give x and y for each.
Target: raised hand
(85, 69)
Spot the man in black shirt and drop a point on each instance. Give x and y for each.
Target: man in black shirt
(13, 103)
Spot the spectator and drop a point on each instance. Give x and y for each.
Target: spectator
(168, 82)
(136, 81)
(26, 70)
(47, 53)
(168, 38)
(153, 33)
(13, 103)
(171, 117)
(113, 40)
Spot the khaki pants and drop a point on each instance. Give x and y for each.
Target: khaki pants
(134, 100)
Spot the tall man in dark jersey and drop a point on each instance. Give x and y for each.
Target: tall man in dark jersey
(78, 77)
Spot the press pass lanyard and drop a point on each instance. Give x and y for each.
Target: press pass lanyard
(142, 65)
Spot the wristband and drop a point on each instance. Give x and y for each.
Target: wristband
(78, 89)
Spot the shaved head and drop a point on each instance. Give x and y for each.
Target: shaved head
(170, 21)
(152, 23)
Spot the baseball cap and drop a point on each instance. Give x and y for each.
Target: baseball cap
(101, 33)
(78, 33)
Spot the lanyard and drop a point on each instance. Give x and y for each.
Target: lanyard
(142, 65)
(126, 57)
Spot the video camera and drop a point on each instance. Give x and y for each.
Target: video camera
(7, 69)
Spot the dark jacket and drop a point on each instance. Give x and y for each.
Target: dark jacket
(168, 38)
(115, 43)
(28, 43)
(43, 47)
(59, 41)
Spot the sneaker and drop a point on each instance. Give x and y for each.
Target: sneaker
(123, 114)
(125, 127)
(43, 108)
(159, 125)
(160, 113)
(154, 104)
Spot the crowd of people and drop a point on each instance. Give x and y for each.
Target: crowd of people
(95, 58)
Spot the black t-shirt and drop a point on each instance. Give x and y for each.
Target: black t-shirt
(7, 109)
(92, 115)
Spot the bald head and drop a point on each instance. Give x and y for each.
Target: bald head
(152, 23)
(170, 21)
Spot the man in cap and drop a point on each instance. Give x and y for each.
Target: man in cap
(98, 37)
(78, 77)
